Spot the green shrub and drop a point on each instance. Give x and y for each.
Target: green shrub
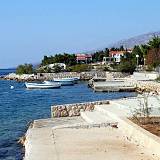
(127, 67)
(150, 68)
(25, 69)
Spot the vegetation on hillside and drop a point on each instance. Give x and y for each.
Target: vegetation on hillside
(149, 52)
(148, 55)
(25, 69)
(79, 68)
(68, 59)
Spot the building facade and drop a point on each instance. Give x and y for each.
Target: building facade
(83, 58)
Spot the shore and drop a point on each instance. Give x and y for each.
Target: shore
(104, 132)
(51, 76)
(99, 80)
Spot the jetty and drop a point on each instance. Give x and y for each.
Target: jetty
(94, 130)
(113, 86)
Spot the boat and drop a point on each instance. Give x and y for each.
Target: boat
(75, 79)
(65, 81)
(42, 85)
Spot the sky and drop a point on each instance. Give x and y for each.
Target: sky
(30, 29)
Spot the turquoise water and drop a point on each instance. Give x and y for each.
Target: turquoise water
(20, 106)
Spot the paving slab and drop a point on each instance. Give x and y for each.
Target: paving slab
(84, 144)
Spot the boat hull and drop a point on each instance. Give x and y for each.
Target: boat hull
(41, 86)
(65, 82)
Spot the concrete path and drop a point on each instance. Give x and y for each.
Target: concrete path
(44, 142)
(83, 144)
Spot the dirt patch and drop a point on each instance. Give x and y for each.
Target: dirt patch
(153, 128)
(151, 124)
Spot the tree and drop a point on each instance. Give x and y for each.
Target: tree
(137, 51)
(25, 69)
(153, 55)
(154, 42)
(127, 67)
(144, 49)
(68, 59)
(106, 52)
(128, 63)
(121, 48)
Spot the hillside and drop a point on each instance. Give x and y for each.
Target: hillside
(137, 40)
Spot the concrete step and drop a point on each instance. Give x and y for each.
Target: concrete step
(96, 117)
(114, 107)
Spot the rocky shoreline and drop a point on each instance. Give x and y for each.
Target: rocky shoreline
(51, 76)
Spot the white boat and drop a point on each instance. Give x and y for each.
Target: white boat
(51, 82)
(42, 85)
(65, 81)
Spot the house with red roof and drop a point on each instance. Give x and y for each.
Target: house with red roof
(83, 58)
(114, 56)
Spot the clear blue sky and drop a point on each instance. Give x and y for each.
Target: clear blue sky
(30, 29)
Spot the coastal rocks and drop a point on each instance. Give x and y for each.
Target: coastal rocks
(74, 112)
(145, 86)
(71, 110)
(21, 78)
(90, 107)
(50, 76)
(64, 113)
(22, 140)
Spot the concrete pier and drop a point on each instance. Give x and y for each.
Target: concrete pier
(91, 143)
(113, 86)
(102, 133)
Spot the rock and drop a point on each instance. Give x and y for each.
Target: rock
(71, 113)
(22, 140)
(56, 113)
(64, 113)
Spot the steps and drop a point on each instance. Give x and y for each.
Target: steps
(104, 114)
(97, 117)
(115, 108)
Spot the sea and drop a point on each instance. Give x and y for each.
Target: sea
(19, 106)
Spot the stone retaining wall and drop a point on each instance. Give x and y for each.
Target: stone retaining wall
(51, 76)
(82, 75)
(145, 86)
(70, 110)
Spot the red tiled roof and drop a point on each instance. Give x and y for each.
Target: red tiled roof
(83, 56)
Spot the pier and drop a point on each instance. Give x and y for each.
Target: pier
(98, 133)
(114, 85)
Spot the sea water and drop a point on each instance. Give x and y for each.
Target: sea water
(20, 106)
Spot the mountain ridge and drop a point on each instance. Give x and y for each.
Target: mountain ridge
(136, 40)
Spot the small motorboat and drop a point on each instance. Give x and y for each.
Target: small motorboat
(51, 82)
(65, 81)
(42, 85)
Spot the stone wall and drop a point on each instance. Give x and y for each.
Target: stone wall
(82, 75)
(145, 86)
(70, 110)
(51, 76)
